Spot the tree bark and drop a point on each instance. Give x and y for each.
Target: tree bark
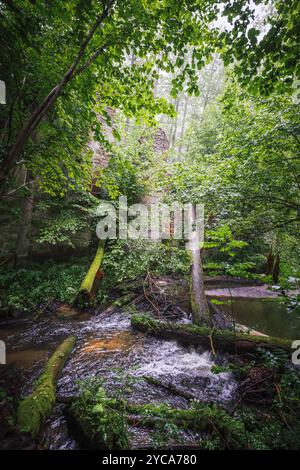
(36, 407)
(225, 340)
(199, 303)
(276, 269)
(270, 263)
(23, 240)
(91, 282)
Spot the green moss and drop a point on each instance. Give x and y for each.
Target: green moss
(246, 429)
(100, 420)
(88, 282)
(37, 406)
(125, 299)
(199, 417)
(29, 290)
(152, 326)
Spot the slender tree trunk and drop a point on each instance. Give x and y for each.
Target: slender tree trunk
(270, 263)
(276, 269)
(173, 140)
(23, 240)
(183, 123)
(91, 283)
(199, 303)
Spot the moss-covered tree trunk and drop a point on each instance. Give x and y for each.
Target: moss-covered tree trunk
(37, 406)
(91, 282)
(225, 340)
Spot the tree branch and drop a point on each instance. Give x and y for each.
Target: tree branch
(48, 101)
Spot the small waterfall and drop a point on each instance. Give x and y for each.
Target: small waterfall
(110, 349)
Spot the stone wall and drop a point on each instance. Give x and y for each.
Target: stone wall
(100, 156)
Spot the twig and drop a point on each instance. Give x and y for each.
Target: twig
(211, 342)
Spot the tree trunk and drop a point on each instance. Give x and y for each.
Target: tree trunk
(183, 124)
(199, 303)
(276, 269)
(225, 340)
(36, 407)
(23, 240)
(208, 418)
(174, 135)
(91, 282)
(270, 263)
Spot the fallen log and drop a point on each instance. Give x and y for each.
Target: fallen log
(170, 446)
(225, 340)
(36, 407)
(117, 304)
(171, 388)
(200, 418)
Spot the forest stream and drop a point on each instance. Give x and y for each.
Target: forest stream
(149, 227)
(109, 348)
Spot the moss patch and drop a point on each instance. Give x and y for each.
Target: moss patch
(99, 420)
(199, 417)
(88, 282)
(37, 406)
(224, 339)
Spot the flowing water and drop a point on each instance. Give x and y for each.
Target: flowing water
(110, 349)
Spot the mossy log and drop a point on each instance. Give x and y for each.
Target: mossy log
(91, 282)
(198, 418)
(37, 406)
(225, 340)
(171, 388)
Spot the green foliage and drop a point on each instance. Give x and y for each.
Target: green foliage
(133, 258)
(45, 41)
(63, 218)
(26, 289)
(270, 47)
(247, 177)
(122, 175)
(101, 419)
(222, 238)
(241, 270)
